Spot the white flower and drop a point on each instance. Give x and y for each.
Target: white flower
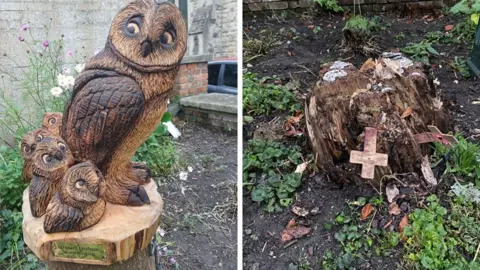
(79, 68)
(56, 91)
(66, 70)
(65, 81)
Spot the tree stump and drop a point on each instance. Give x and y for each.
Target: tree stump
(121, 234)
(392, 95)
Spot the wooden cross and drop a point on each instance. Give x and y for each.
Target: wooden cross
(369, 158)
(435, 135)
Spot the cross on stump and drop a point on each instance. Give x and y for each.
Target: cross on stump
(435, 135)
(369, 158)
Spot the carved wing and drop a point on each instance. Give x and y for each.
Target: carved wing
(61, 217)
(102, 111)
(40, 193)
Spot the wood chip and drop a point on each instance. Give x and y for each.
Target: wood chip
(427, 172)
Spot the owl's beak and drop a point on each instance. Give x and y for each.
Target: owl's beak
(59, 155)
(146, 47)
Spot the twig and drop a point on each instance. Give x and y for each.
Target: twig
(264, 246)
(289, 244)
(369, 226)
(307, 69)
(476, 253)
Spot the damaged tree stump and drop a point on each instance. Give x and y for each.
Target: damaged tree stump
(391, 94)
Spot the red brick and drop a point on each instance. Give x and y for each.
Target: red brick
(183, 79)
(183, 67)
(191, 66)
(195, 71)
(204, 76)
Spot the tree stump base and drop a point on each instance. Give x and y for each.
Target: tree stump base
(122, 233)
(397, 99)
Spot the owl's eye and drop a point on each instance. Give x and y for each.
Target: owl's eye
(62, 146)
(46, 158)
(26, 149)
(80, 184)
(133, 28)
(39, 138)
(168, 37)
(52, 121)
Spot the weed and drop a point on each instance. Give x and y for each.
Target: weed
(466, 7)
(260, 97)
(463, 157)
(317, 29)
(11, 183)
(399, 37)
(428, 243)
(357, 35)
(420, 51)
(330, 5)
(460, 64)
(268, 172)
(256, 47)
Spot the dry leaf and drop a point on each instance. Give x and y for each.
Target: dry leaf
(311, 26)
(291, 224)
(407, 113)
(366, 211)
(369, 64)
(393, 209)
(388, 223)
(301, 167)
(295, 233)
(403, 223)
(299, 211)
(448, 27)
(392, 192)
(427, 172)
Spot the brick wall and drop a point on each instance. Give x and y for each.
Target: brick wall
(367, 5)
(192, 79)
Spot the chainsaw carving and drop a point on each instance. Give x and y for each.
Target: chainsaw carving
(120, 97)
(78, 203)
(51, 159)
(27, 150)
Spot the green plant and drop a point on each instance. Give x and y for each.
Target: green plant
(256, 47)
(260, 97)
(464, 31)
(399, 37)
(330, 5)
(269, 173)
(463, 224)
(466, 7)
(463, 158)
(420, 51)
(11, 183)
(460, 64)
(428, 244)
(159, 151)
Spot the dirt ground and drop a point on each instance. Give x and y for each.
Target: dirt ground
(263, 248)
(200, 215)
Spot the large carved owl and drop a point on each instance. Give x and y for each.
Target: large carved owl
(78, 204)
(120, 97)
(28, 146)
(52, 158)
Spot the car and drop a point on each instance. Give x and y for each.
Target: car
(223, 76)
(474, 61)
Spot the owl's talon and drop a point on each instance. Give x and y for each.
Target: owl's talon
(142, 171)
(138, 196)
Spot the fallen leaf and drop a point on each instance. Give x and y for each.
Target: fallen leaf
(301, 167)
(299, 211)
(387, 224)
(403, 223)
(369, 64)
(448, 27)
(366, 211)
(295, 233)
(392, 191)
(310, 251)
(427, 172)
(407, 113)
(291, 224)
(311, 26)
(393, 209)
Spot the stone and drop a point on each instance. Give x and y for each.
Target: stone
(213, 102)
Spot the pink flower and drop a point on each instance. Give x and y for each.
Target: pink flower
(70, 53)
(24, 27)
(21, 39)
(172, 260)
(45, 44)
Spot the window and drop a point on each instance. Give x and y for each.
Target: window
(230, 76)
(213, 71)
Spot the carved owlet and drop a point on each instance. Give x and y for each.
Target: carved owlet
(52, 159)
(52, 121)
(27, 150)
(78, 204)
(120, 97)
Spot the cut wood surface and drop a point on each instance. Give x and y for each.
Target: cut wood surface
(122, 232)
(398, 101)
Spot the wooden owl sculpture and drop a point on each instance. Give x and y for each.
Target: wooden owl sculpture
(79, 202)
(28, 146)
(52, 158)
(120, 97)
(52, 121)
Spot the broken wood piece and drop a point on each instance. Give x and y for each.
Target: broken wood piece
(369, 158)
(435, 135)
